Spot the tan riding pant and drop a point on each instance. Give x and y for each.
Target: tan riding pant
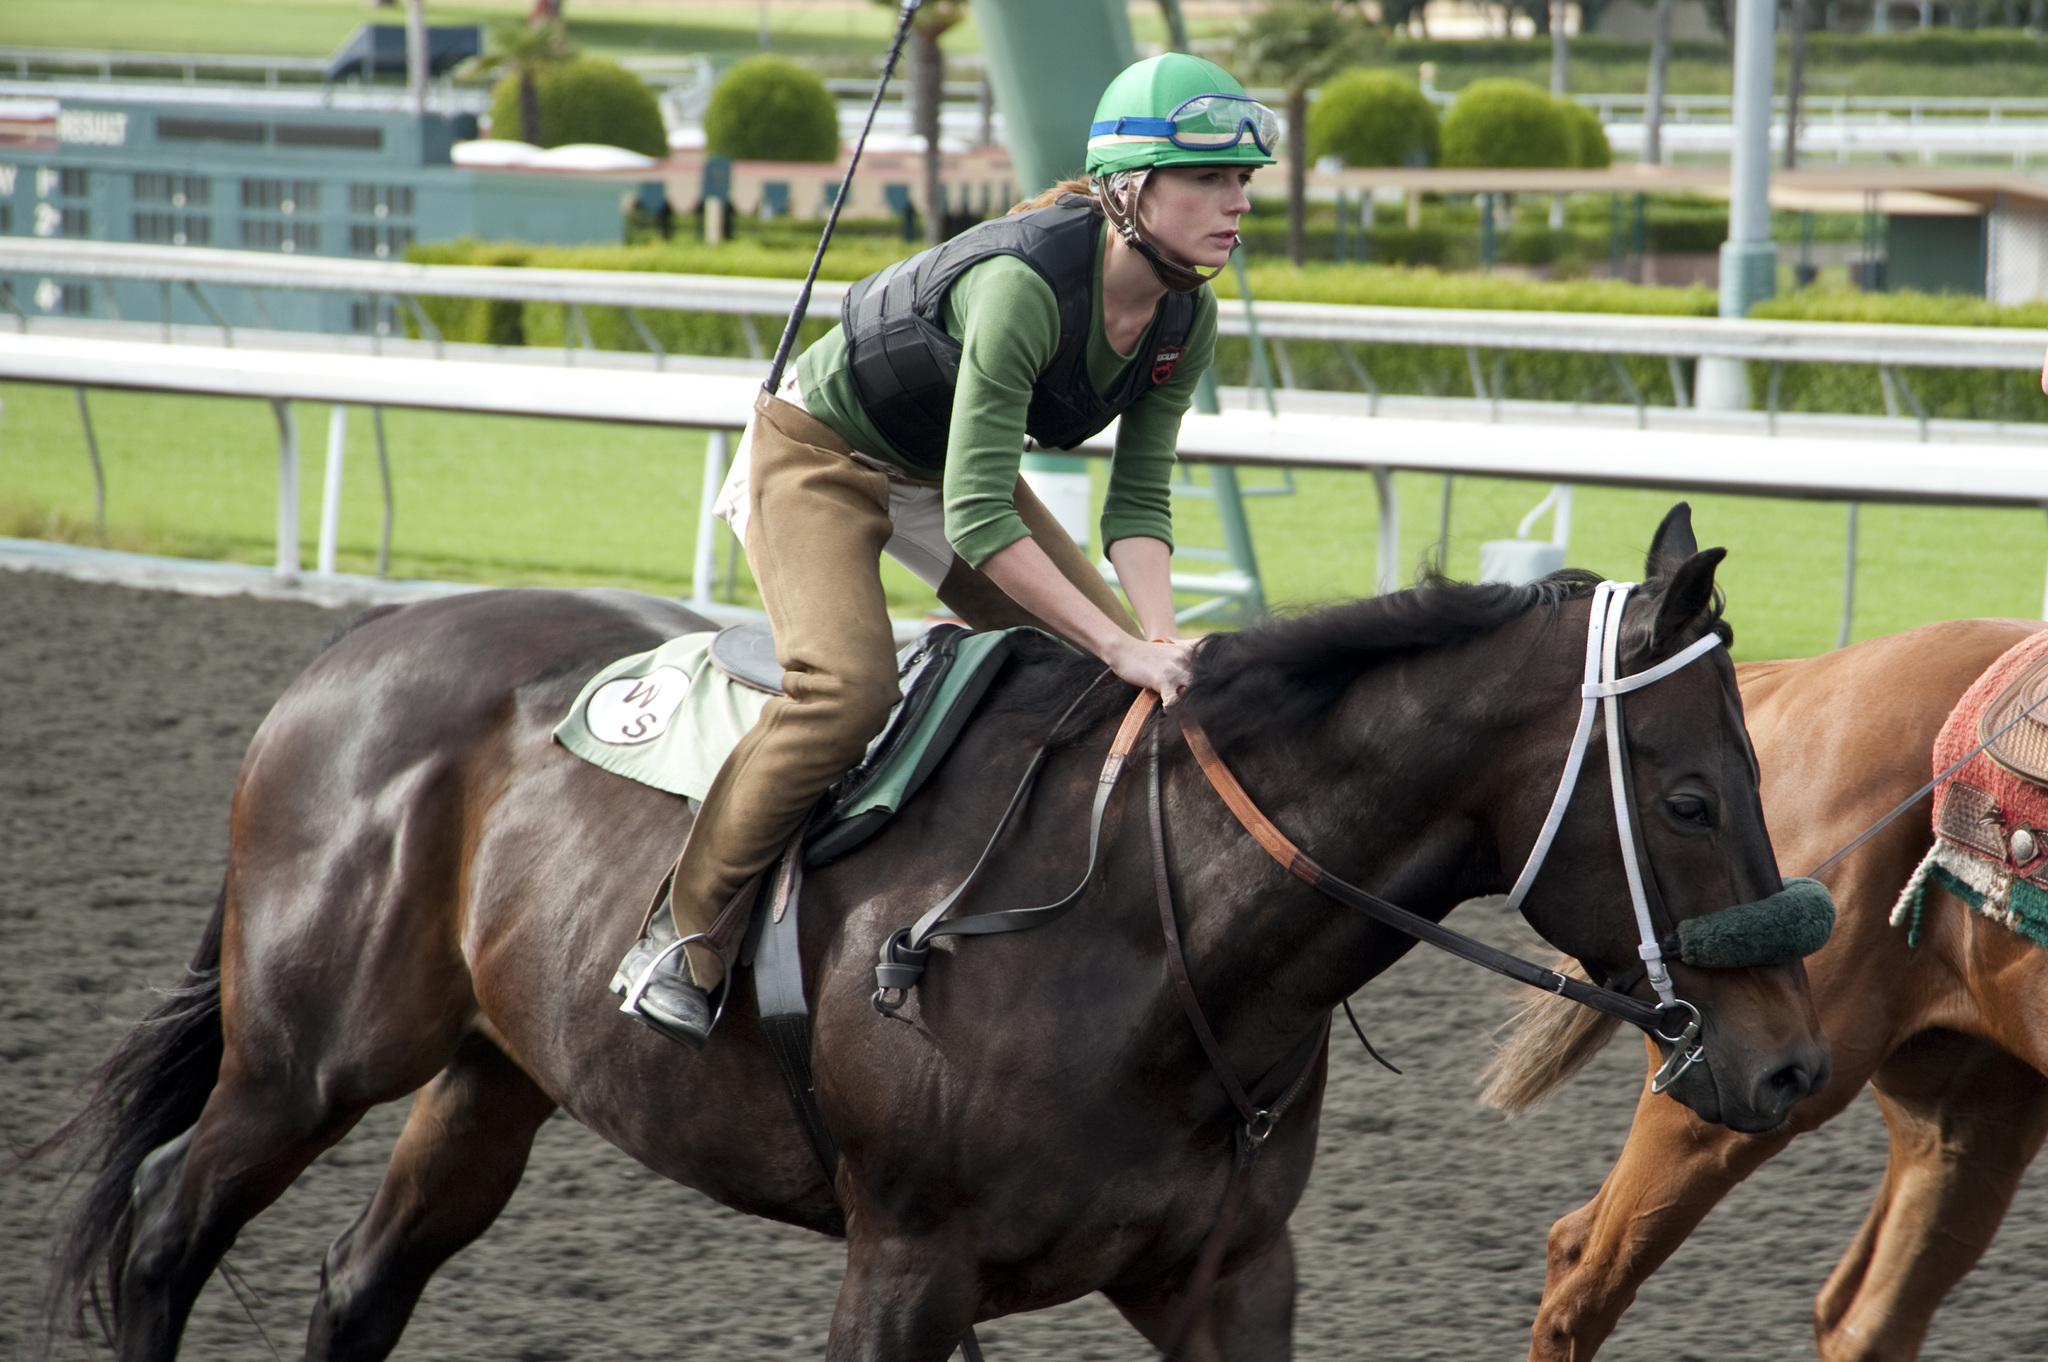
(817, 521)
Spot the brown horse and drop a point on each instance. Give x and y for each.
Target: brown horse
(426, 896)
(1951, 1035)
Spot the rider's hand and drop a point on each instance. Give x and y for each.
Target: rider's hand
(1163, 667)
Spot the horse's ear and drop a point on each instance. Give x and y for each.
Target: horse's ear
(1672, 544)
(1688, 593)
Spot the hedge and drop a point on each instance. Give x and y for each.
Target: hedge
(587, 99)
(1963, 394)
(1507, 123)
(1373, 118)
(770, 109)
(1436, 370)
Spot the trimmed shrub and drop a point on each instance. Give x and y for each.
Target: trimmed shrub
(1589, 139)
(587, 99)
(768, 109)
(1373, 118)
(1506, 123)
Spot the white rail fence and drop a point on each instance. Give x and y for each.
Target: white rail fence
(1785, 466)
(1830, 458)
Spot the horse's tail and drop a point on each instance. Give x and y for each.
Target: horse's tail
(148, 1092)
(1553, 1038)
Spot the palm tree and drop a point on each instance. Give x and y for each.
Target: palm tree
(528, 51)
(1298, 44)
(928, 88)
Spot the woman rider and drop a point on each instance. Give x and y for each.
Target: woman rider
(902, 431)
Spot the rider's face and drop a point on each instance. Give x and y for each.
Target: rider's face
(1191, 212)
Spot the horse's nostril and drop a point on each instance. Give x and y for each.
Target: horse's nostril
(1793, 1082)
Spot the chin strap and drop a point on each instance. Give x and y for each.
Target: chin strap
(1119, 198)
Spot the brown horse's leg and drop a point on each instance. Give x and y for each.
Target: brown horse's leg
(193, 1195)
(1965, 1118)
(1674, 1169)
(1251, 1314)
(462, 1153)
(902, 1300)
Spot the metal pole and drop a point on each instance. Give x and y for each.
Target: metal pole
(1237, 539)
(1389, 573)
(330, 487)
(99, 475)
(1749, 263)
(384, 473)
(1848, 580)
(704, 563)
(416, 53)
(287, 491)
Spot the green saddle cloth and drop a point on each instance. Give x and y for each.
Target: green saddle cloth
(668, 718)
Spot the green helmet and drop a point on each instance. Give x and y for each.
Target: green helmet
(1178, 110)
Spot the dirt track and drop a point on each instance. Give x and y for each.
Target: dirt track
(123, 716)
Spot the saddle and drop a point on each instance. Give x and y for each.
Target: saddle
(1991, 812)
(668, 718)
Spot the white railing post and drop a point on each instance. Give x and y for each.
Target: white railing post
(1388, 576)
(704, 563)
(330, 487)
(287, 491)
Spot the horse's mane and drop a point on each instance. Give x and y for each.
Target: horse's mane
(1288, 670)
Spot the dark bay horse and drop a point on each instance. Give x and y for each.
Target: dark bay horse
(1952, 1035)
(426, 896)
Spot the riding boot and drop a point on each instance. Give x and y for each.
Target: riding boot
(655, 984)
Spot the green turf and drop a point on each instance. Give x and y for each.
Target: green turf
(535, 502)
(315, 28)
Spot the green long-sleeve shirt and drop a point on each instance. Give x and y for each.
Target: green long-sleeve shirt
(1006, 319)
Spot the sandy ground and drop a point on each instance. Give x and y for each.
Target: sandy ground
(123, 716)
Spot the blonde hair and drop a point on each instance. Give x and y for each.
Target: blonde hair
(1083, 186)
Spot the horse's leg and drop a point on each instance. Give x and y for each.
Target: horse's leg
(902, 1299)
(456, 1164)
(1250, 1314)
(1674, 1169)
(1965, 1119)
(193, 1195)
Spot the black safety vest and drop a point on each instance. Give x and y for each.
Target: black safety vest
(905, 366)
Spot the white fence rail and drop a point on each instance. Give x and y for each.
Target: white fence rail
(1786, 466)
(1581, 332)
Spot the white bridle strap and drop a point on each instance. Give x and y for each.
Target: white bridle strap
(1603, 687)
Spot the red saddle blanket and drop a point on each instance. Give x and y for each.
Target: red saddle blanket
(1990, 819)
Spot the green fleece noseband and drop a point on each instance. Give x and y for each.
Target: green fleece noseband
(1789, 925)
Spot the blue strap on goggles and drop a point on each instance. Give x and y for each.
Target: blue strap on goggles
(1204, 123)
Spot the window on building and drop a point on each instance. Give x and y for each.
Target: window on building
(54, 221)
(174, 229)
(272, 234)
(380, 200)
(179, 191)
(367, 314)
(73, 299)
(281, 196)
(382, 240)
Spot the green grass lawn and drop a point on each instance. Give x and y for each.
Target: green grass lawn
(538, 502)
(314, 28)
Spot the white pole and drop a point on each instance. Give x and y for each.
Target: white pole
(330, 486)
(1749, 263)
(704, 565)
(287, 491)
(1388, 576)
(416, 53)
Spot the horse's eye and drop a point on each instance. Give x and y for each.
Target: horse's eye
(1690, 809)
